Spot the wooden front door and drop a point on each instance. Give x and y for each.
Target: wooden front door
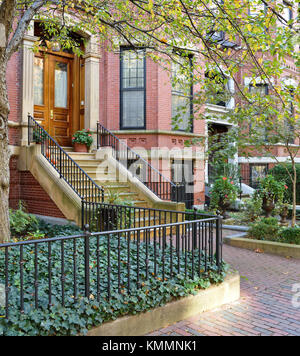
(53, 95)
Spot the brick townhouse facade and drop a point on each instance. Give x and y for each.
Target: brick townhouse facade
(125, 92)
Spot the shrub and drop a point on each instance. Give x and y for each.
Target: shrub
(252, 208)
(25, 226)
(290, 235)
(267, 229)
(22, 223)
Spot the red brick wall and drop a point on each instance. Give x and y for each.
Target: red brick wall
(14, 191)
(14, 81)
(24, 187)
(35, 197)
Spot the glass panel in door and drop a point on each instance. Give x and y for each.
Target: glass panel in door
(38, 81)
(61, 85)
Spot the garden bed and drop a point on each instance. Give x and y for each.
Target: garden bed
(143, 323)
(70, 312)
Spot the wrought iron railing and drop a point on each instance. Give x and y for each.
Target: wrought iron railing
(62, 270)
(107, 217)
(161, 186)
(82, 184)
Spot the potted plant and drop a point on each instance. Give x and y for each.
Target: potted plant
(82, 141)
(223, 193)
(271, 192)
(284, 212)
(39, 136)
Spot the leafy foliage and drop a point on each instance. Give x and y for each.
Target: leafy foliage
(291, 235)
(224, 191)
(25, 226)
(271, 193)
(39, 136)
(83, 137)
(80, 315)
(268, 229)
(280, 174)
(253, 207)
(21, 222)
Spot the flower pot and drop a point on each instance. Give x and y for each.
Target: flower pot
(224, 205)
(268, 206)
(80, 147)
(284, 214)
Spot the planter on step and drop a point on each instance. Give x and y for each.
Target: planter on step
(82, 141)
(80, 147)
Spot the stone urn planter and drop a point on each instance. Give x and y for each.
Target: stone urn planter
(284, 212)
(268, 206)
(80, 147)
(224, 206)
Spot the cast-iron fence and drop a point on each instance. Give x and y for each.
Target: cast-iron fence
(40, 273)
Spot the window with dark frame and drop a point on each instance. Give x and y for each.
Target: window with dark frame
(259, 89)
(219, 81)
(257, 172)
(290, 128)
(133, 89)
(182, 98)
(262, 89)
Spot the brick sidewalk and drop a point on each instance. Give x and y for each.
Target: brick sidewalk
(265, 307)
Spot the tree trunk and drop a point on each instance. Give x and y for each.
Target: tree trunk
(294, 214)
(4, 154)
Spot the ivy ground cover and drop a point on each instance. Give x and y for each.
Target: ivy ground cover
(125, 278)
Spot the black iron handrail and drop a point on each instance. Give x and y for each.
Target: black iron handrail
(82, 184)
(161, 186)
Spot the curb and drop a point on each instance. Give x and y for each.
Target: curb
(144, 323)
(235, 227)
(273, 248)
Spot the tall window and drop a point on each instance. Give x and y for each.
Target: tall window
(219, 89)
(259, 90)
(182, 98)
(289, 121)
(257, 172)
(133, 89)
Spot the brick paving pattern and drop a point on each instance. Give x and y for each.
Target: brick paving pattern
(265, 307)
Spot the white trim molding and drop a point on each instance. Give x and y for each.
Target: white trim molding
(265, 160)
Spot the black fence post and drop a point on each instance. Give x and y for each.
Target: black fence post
(218, 241)
(241, 189)
(87, 236)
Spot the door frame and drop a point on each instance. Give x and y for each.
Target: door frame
(76, 90)
(90, 108)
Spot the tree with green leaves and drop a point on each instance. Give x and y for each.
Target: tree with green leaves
(225, 39)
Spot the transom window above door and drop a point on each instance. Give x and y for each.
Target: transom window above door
(133, 89)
